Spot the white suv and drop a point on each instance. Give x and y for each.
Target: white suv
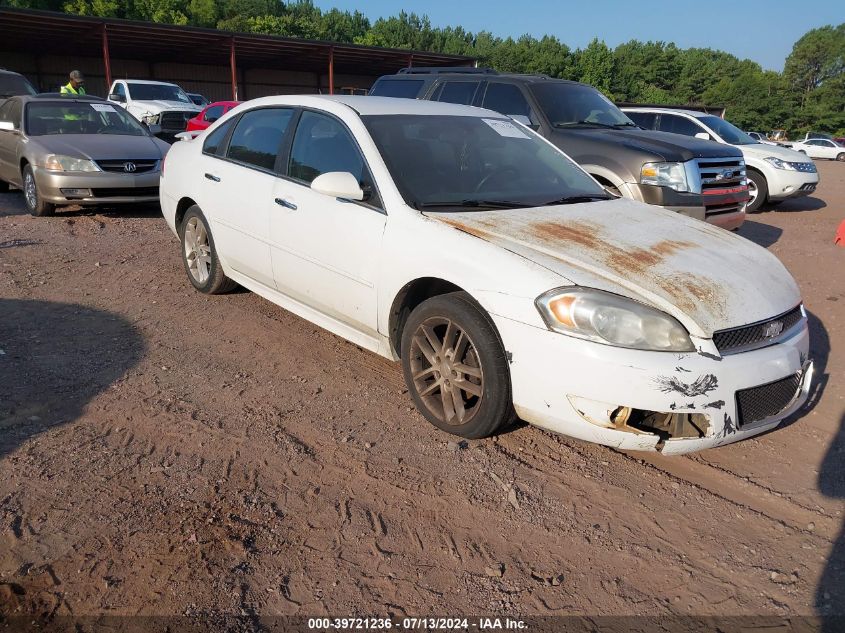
(774, 173)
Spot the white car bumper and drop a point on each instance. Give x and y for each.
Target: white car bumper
(791, 184)
(569, 386)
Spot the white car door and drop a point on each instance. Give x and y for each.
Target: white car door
(238, 191)
(828, 149)
(326, 251)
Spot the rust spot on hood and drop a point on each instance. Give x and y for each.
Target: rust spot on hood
(684, 289)
(471, 230)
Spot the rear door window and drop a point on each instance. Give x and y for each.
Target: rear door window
(679, 125)
(258, 137)
(403, 88)
(506, 99)
(461, 92)
(645, 120)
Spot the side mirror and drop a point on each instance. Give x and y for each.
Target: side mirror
(704, 136)
(155, 129)
(7, 126)
(118, 98)
(338, 184)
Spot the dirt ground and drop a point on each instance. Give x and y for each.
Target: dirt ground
(167, 453)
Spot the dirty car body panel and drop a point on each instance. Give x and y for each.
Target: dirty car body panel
(746, 366)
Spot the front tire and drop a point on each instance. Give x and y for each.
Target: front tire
(34, 203)
(841, 157)
(455, 367)
(200, 257)
(758, 189)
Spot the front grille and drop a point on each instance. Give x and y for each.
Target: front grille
(120, 166)
(810, 186)
(759, 403)
(757, 334)
(719, 174)
(124, 192)
(176, 120)
(722, 209)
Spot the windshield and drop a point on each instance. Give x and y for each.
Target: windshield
(14, 85)
(157, 92)
(443, 161)
(53, 117)
(577, 105)
(730, 133)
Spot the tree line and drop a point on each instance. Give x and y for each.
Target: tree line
(808, 95)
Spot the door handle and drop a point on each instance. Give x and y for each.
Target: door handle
(212, 177)
(284, 203)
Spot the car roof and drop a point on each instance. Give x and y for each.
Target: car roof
(148, 81)
(57, 96)
(366, 105)
(693, 113)
(481, 76)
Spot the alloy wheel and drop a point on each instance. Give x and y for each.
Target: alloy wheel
(197, 250)
(446, 371)
(752, 192)
(29, 191)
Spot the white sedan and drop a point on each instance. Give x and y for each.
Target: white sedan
(820, 148)
(498, 272)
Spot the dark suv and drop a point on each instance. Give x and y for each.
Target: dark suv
(702, 179)
(13, 85)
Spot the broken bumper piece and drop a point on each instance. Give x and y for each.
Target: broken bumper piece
(657, 401)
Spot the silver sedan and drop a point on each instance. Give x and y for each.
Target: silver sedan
(66, 151)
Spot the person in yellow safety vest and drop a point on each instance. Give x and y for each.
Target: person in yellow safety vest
(76, 85)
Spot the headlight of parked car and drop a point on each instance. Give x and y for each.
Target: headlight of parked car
(672, 175)
(777, 163)
(613, 320)
(150, 119)
(57, 162)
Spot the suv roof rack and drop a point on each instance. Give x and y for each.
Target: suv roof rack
(436, 70)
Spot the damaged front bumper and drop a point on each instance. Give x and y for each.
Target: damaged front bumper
(656, 401)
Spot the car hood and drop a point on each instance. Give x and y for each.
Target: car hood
(708, 278)
(103, 146)
(154, 107)
(662, 145)
(760, 150)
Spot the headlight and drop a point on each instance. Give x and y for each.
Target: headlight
(56, 162)
(150, 119)
(613, 320)
(672, 175)
(777, 163)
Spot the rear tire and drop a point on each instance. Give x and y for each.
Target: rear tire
(34, 203)
(200, 257)
(455, 367)
(759, 190)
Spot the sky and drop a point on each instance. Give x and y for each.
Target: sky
(755, 29)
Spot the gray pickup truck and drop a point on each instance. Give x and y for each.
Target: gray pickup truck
(702, 179)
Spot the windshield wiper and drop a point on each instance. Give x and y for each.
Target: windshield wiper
(574, 200)
(465, 204)
(574, 123)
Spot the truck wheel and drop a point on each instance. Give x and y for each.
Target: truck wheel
(758, 189)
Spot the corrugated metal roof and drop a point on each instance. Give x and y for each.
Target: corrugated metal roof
(47, 32)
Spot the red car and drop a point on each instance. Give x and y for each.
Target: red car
(210, 114)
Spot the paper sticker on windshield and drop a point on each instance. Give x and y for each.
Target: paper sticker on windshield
(505, 128)
(102, 107)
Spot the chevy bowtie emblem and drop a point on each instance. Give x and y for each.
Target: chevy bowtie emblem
(725, 174)
(771, 330)
(129, 168)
